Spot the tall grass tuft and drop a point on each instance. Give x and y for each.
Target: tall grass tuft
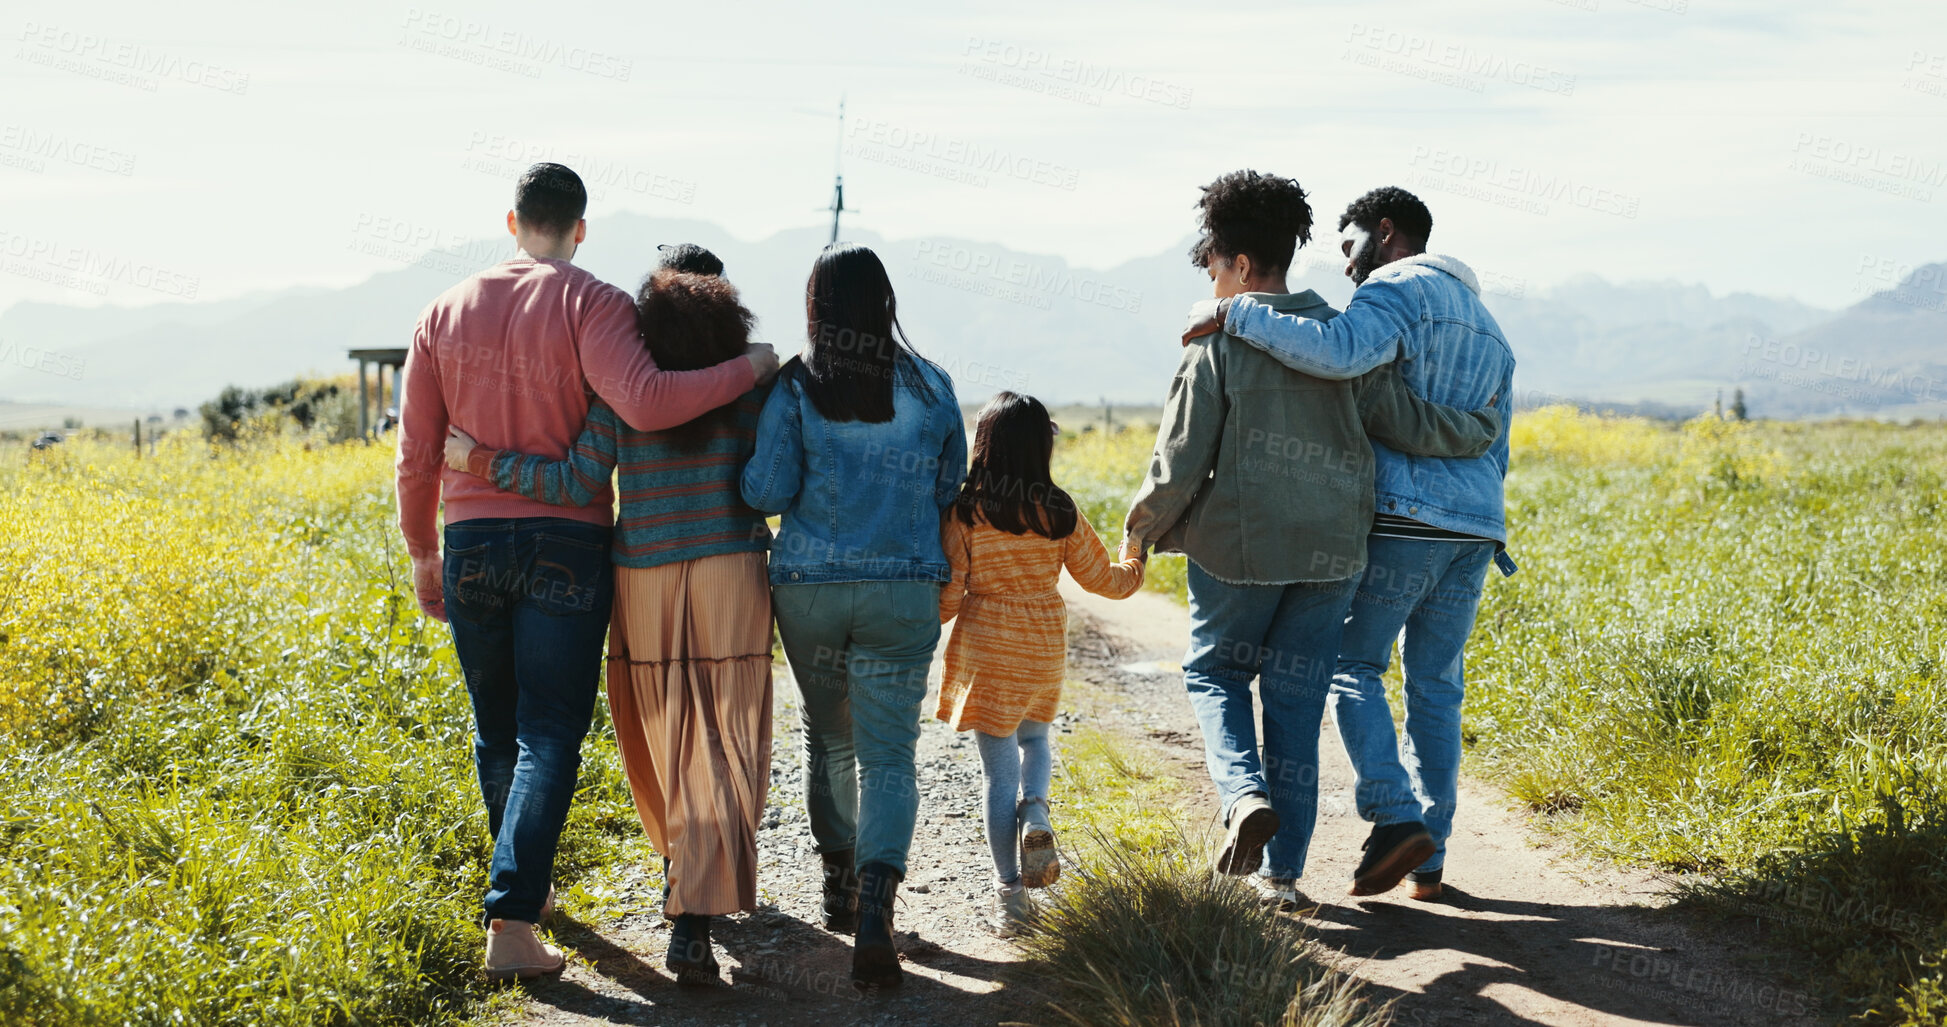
(1141, 937)
(1141, 932)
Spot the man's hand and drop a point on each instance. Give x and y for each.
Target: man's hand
(459, 445)
(427, 587)
(1206, 317)
(1131, 549)
(764, 359)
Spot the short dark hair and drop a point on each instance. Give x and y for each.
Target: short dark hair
(1408, 214)
(689, 258)
(550, 199)
(1261, 216)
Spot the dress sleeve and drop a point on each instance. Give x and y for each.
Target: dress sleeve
(1087, 560)
(957, 539)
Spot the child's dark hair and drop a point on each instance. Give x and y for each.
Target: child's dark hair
(1008, 484)
(690, 322)
(688, 256)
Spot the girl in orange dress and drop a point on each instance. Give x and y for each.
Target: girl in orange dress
(1007, 537)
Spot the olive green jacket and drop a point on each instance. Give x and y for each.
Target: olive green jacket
(1263, 474)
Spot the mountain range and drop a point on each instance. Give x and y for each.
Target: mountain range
(1002, 319)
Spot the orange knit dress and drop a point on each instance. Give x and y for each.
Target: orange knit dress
(1009, 650)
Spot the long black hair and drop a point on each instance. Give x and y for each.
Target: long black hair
(1009, 484)
(855, 346)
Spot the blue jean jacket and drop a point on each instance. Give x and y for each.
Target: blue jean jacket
(1425, 311)
(860, 502)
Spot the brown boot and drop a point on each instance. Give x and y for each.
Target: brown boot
(515, 952)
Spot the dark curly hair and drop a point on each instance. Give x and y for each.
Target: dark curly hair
(690, 322)
(1408, 214)
(1261, 216)
(688, 256)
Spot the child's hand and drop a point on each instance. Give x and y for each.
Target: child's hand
(458, 445)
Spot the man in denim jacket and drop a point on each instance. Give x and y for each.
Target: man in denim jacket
(1439, 521)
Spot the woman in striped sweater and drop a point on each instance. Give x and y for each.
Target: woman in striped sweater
(689, 664)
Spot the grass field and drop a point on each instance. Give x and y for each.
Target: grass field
(241, 790)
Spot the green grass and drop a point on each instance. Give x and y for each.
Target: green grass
(279, 823)
(1142, 932)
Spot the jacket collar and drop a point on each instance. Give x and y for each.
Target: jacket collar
(1439, 262)
(1287, 302)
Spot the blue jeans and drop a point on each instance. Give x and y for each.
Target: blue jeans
(1431, 591)
(1017, 766)
(859, 651)
(528, 601)
(1287, 637)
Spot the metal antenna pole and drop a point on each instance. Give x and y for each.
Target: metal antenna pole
(838, 171)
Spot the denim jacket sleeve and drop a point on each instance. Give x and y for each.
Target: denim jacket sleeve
(953, 455)
(775, 473)
(573, 481)
(1365, 336)
(1186, 446)
(1397, 416)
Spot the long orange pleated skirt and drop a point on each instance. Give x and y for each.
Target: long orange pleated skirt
(689, 689)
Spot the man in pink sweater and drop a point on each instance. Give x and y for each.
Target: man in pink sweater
(510, 356)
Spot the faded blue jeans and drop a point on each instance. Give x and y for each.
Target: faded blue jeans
(1017, 767)
(1431, 591)
(528, 601)
(859, 651)
(1286, 637)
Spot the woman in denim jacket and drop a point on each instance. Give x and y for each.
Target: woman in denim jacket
(860, 447)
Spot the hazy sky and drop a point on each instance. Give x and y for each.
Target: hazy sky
(1789, 149)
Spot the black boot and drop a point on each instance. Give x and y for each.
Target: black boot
(841, 907)
(690, 957)
(875, 962)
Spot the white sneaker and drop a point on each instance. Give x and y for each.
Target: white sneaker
(1013, 909)
(515, 952)
(1279, 892)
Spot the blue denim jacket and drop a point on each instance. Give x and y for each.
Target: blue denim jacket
(1424, 311)
(861, 502)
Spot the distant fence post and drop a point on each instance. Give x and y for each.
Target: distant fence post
(138, 436)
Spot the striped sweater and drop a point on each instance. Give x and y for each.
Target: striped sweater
(677, 504)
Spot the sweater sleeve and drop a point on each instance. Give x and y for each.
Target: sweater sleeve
(619, 368)
(574, 481)
(957, 539)
(1087, 560)
(422, 439)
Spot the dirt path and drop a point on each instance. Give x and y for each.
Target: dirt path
(1529, 937)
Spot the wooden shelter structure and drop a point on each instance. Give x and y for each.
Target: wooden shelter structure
(379, 360)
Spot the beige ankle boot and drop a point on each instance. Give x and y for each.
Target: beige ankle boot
(515, 952)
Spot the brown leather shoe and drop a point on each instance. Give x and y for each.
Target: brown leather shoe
(1426, 885)
(515, 952)
(1391, 852)
(1252, 824)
